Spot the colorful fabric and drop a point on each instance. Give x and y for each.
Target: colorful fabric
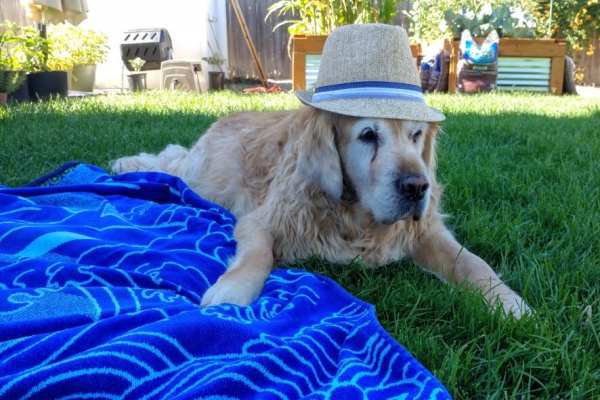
(100, 281)
(479, 54)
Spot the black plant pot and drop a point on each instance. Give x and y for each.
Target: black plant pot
(45, 85)
(21, 94)
(137, 81)
(216, 80)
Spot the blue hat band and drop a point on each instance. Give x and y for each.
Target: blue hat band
(369, 90)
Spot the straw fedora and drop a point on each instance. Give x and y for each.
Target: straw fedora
(368, 70)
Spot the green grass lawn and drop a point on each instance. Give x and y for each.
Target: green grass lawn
(522, 176)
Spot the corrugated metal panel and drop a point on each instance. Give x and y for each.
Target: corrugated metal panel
(312, 69)
(522, 81)
(524, 88)
(518, 73)
(542, 63)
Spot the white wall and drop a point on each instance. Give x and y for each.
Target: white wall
(186, 21)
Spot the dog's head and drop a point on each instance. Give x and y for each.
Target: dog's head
(387, 165)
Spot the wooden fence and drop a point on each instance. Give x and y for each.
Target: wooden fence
(589, 65)
(271, 46)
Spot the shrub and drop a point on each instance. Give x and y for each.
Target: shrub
(436, 19)
(65, 46)
(87, 46)
(21, 48)
(506, 21)
(319, 17)
(574, 20)
(60, 48)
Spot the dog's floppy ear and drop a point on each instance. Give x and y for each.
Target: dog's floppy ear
(429, 155)
(318, 157)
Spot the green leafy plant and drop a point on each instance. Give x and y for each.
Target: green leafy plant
(64, 47)
(88, 47)
(577, 21)
(137, 64)
(34, 47)
(60, 48)
(21, 48)
(319, 17)
(437, 19)
(9, 57)
(215, 60)
(507, 21)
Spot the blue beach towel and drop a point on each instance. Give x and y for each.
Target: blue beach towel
(100, 281)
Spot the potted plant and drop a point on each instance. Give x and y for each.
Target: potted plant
(321, 17)
(33, 49)
(312, 21)
(480, 22)
(49, 77)
(516, 26)
(137, 79)
(216, 79)
(14, 59)
(89, 48)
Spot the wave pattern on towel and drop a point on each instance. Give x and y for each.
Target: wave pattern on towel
(100, 281)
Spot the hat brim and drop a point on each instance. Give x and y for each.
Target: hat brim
(375, 108)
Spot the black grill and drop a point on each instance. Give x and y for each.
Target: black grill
(152, 45)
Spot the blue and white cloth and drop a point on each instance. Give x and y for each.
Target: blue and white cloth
(100, 281)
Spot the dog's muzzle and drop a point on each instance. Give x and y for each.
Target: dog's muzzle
(412, 189)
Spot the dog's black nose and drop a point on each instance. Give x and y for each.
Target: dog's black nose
(413, 187)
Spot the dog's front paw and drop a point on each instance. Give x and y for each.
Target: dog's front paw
(231, 288)
(125, 164)
(514, 305)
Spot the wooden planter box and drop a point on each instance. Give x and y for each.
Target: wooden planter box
(529, 64)
(306, 55)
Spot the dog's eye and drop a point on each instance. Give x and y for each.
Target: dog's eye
(368, 135)
(414, 136)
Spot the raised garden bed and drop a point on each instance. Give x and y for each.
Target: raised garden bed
(306, 57)
(523, 64)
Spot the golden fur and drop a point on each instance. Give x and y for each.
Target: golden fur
(283, 175)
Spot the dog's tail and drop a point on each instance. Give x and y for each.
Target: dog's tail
(170, 160)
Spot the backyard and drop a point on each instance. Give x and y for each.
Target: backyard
(522, 190)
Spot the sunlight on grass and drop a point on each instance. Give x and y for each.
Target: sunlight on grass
(522, 189)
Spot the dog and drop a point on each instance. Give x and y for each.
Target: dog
(351, 174)
(311, 182)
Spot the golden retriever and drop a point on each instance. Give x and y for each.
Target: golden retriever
(309, 182)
